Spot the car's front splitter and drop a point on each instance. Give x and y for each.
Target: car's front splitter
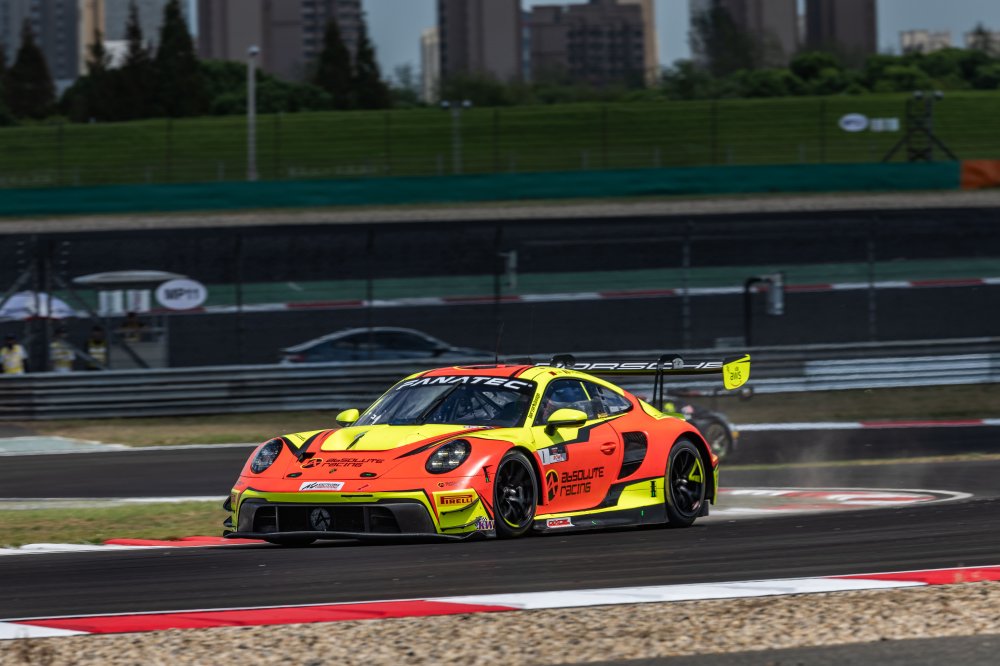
(360, 536)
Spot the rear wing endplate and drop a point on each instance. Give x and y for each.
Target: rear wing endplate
(735, 370)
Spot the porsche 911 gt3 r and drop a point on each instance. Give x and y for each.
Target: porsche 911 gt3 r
(496, 450)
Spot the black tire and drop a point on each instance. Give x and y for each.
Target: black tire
(718, 436)
(291, 542)
(686, 484)
(515, 496)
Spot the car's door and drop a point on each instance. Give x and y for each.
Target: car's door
(579, 464)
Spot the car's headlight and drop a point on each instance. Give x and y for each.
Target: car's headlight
(448, 456)
(266, 456)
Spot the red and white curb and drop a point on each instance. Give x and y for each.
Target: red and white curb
(435, 301)
(376, 610)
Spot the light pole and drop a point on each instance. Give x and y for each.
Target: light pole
(456, 131)
(252, 54)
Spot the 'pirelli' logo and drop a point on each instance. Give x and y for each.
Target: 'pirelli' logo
(456, 500)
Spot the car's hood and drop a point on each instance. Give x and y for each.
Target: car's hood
(387, 437)
(369, 452)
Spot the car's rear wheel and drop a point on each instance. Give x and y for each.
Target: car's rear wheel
(719, 439)
(686, 484)
(515, 496)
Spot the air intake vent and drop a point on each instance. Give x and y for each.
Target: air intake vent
(635, 453)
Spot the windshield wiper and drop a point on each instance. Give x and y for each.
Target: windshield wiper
(424, 415)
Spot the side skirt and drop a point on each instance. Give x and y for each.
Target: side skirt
(647, 515)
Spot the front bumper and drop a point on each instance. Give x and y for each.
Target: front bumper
(387, 515)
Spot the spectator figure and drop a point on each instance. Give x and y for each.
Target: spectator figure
(132, 328)
(97, 349)
(13, 357)
(61, 354)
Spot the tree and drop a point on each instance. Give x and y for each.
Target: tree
(333, 69)
(92, 97)
(981, 39)
(136, 78)
(370, 90)
(28, 84)
(405, 89)
(720, 44)
(6, 117)
(178, 76)
(811, 64)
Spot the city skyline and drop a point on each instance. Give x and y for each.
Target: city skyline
(396, 27)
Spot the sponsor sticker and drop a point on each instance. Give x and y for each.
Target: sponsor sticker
(514, 384)
(559, 522)
(321, 485)
(485, 524)
(455, 500)
(553, 455)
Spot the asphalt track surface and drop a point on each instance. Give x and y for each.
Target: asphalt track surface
(207, 471)
(959, 533)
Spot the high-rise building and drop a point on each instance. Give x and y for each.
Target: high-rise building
(649, 38)
(480, 37)
(848, 27)
(773, 23)
(12, 15)
(924, 41)
(59, 38)
(289, 33)
(91, 28)
(430, 65)
(599, 43)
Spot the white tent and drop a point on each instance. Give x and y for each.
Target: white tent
(29, 305)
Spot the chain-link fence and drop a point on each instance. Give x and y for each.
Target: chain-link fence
(429, 142)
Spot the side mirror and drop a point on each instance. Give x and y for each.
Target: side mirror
(565, 418)
(347, 417)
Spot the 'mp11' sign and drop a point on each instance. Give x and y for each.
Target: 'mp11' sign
(181, 294)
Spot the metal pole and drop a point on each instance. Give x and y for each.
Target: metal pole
(252, 113)
(686, 287)
(456, 139)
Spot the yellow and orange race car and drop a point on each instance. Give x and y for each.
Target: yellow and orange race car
(498, 450)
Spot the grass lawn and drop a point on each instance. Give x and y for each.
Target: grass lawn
(91, 525)
(522, 139)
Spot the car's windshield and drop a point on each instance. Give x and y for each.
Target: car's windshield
(461, 400)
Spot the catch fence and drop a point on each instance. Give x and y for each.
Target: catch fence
(432, 142)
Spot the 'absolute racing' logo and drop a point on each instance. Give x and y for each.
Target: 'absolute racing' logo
(567, 484)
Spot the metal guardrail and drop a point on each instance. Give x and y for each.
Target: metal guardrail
(246, 389)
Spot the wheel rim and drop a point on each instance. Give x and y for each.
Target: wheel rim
(687, 482)
(515, 493)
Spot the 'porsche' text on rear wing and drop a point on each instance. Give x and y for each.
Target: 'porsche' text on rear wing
(735, 370)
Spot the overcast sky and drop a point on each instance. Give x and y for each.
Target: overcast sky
(396, 24)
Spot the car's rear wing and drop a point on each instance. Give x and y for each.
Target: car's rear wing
(735, 370)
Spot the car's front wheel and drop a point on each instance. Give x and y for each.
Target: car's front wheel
(686, 484)
(515, 495)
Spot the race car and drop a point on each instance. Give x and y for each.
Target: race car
(488, 451)
(714, 426)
